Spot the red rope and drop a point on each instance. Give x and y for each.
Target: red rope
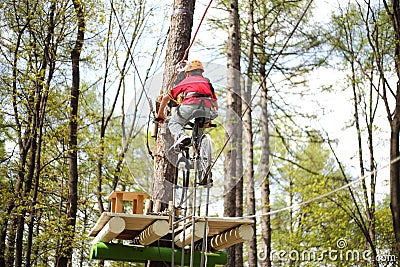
(195, 34)
(190, 45)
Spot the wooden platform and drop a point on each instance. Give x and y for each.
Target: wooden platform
(134, 223)
(223, 231)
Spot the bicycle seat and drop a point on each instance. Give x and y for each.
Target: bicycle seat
(199, 113)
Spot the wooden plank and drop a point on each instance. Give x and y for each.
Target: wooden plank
(134, 223)
(126, 196)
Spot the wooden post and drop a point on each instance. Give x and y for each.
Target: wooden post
(119, 203)
(118, 197)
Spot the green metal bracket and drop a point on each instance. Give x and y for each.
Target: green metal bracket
(131, 253)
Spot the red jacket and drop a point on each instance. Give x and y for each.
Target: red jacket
(193, 84)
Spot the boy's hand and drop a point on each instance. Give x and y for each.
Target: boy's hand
(160, 119)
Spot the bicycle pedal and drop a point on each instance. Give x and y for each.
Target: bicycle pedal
(206, 181)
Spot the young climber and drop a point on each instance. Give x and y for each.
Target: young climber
(198, 93)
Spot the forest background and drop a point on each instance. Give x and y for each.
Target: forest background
(319, 78)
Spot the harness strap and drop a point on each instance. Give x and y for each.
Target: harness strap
(196, 94)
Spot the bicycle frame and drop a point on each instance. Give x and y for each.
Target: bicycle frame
(193, 163)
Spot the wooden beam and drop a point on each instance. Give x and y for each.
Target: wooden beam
(112, 229)
(134, 223)
(232, 237)
(184, 238)
(154, 232)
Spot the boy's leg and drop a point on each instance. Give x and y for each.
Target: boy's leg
(178, 121)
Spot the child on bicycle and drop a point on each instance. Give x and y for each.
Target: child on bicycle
(198, 93)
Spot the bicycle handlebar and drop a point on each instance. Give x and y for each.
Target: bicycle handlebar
(158, 120)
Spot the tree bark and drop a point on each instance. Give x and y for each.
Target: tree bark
(178, 41)
(65, 258)
(47, 62)
(264, 164)
(38, 99)
(232, 185)
(247, 120)
(394, 120)
(7, 259)
(394, 180)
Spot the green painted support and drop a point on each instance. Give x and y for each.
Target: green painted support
(131, 253)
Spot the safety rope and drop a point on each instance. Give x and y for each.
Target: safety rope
(263, 80)
(195, 34)
(315, 199)
(133, 61)
(173, 76)
(142, 83)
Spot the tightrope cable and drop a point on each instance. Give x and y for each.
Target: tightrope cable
(323, 195)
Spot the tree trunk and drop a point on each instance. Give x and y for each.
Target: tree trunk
(178, 42)
(23, 145)
(41, 110)
(264, 163)
(31, 170)
(247, 119)
(394, 180)
(239, 186)
(394, 14)
(233, 117)
(65, 258)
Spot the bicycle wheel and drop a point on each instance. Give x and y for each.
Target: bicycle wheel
(181, 183)
(205, 159)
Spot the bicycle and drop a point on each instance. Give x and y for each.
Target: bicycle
(201, 162)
